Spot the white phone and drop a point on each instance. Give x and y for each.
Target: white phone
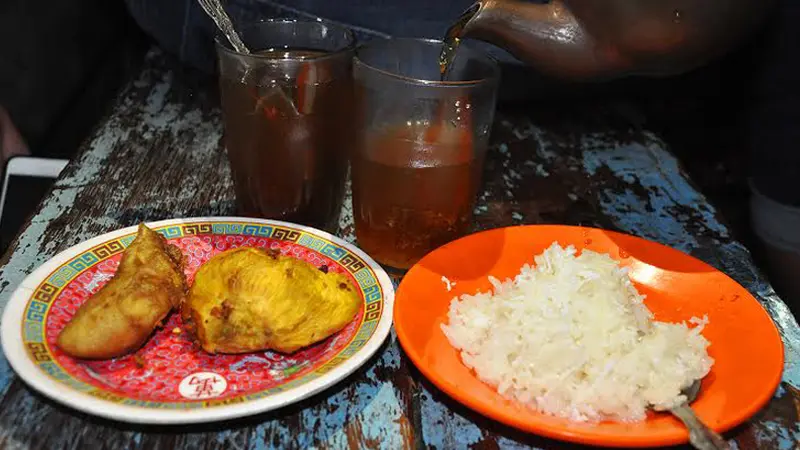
(26, 181)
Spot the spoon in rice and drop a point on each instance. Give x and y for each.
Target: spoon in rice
(700, 436)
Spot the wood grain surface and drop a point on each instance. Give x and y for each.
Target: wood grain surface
(159, 155)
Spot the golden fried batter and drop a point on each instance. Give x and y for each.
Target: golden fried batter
(249, 299)
(119, 318)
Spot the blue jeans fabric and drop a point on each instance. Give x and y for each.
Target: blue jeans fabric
(181, 26)
(775, 113)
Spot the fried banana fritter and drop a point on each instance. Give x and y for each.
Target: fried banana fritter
(250, 299)
(119, 318)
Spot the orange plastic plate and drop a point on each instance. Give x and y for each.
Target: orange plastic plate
(744, 341)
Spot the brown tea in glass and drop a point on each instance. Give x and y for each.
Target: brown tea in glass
(415, 192)
(420, 146)
(287, 112)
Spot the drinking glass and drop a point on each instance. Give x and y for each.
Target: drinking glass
(420, 147)
(287, 112)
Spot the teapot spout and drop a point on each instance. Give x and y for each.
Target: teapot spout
(546, 36)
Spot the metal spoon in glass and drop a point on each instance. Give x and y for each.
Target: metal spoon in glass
(700, 436)
(216, 11)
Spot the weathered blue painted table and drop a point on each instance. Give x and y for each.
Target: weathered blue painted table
(159, 155)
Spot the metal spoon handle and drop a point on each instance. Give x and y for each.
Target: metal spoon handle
(700, 436)
(217, 13)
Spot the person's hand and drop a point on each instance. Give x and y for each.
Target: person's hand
(11, 141)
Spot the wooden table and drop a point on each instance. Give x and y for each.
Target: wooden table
(159, 155)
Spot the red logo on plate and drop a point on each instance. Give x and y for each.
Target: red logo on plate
(198, 386)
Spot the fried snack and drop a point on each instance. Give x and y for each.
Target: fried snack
(250, 299)
(119, 318)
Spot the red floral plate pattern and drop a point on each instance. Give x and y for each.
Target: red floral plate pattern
(169, 380)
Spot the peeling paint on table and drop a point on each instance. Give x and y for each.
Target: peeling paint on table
(159, 155)
(655, 170)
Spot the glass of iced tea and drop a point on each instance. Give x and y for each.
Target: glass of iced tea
(421, 143)
(287, 111)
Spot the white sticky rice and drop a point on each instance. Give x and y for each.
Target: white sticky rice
(571, 337)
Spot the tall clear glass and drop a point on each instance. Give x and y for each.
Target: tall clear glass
(421, 146)
(287, 110)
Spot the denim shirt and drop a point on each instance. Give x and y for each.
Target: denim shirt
(182, 27)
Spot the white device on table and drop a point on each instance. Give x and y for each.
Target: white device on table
(25, 182)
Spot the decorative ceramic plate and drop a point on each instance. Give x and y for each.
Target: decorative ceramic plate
(745, 344)
(169, 380)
